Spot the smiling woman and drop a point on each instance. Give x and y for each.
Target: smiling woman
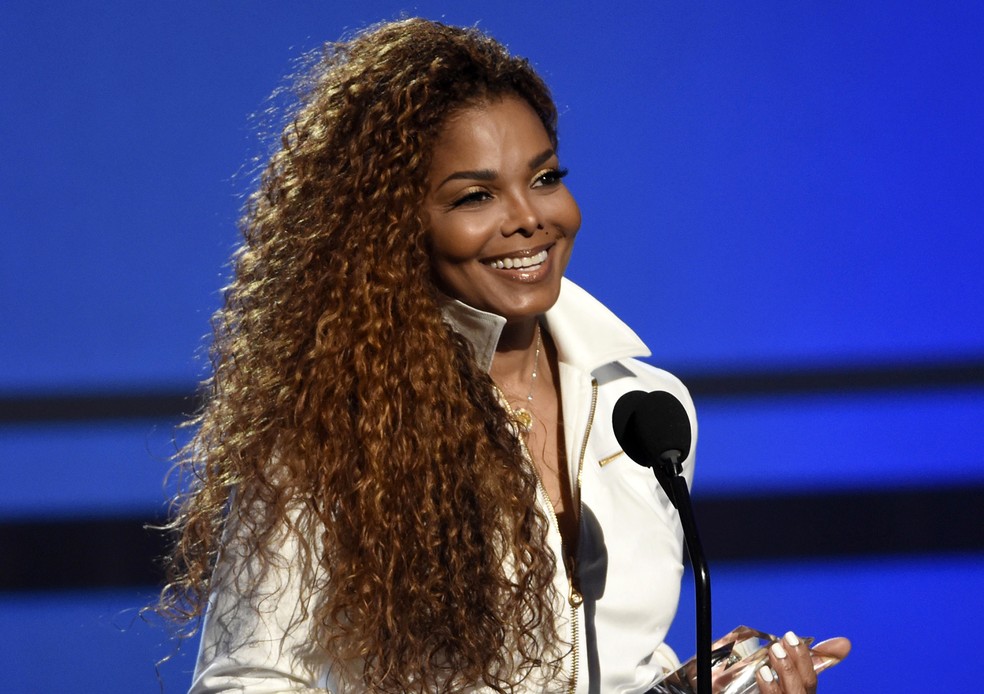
(405, 477)
(501, 222)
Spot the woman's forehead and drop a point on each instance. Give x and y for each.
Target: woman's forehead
(486, 132)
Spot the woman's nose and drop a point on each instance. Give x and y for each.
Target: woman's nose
(523, 216)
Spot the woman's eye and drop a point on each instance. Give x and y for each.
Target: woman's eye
(470, 198)
(550, 177)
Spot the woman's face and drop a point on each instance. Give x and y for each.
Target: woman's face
(501, 221)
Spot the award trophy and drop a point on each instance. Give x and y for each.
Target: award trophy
(735, 659)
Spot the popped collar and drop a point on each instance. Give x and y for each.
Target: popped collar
(608, 340)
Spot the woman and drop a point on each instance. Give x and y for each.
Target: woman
(405, 478)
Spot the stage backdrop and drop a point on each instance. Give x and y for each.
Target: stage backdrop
(783, 199)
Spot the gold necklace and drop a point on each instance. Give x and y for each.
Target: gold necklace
(523, 416)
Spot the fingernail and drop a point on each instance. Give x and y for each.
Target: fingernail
(791, 639)
(778, 651)
(766, 673)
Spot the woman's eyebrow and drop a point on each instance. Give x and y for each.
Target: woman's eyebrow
(492, 174)
(541, 158)
(478, 175)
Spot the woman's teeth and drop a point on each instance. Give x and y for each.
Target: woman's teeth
(513, 263)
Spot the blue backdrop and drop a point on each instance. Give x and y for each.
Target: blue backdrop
(766, 187)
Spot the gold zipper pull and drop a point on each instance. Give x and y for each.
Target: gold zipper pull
(574, 597)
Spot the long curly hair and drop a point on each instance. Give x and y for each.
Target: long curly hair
(342, 409)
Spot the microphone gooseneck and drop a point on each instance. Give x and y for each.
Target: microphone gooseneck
(654, 430)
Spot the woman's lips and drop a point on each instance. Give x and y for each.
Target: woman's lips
(522, 261)
(519, 262)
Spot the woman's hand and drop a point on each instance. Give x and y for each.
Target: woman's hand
(792, 665)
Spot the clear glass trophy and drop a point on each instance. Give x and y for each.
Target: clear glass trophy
(735, 659)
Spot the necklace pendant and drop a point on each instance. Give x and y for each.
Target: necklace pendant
(523, 419)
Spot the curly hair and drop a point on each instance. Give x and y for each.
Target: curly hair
(343, 409)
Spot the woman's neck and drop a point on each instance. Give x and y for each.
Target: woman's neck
(514, 360)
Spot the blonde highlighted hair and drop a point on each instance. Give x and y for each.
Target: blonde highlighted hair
(337, 389)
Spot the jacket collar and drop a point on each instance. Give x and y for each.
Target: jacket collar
(586, 333)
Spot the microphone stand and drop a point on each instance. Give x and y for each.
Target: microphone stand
(668, 473)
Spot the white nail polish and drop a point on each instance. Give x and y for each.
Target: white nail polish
(766, 673)
(778, 651)
(792, 639)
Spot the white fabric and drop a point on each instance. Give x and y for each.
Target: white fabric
(630, 551)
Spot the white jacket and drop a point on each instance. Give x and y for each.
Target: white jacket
(630, 547)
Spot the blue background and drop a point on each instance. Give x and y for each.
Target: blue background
(764, 185)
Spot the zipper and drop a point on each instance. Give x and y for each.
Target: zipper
(574, 597)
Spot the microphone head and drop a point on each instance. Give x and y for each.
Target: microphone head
(649, 425)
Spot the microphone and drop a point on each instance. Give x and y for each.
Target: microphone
(654, 430)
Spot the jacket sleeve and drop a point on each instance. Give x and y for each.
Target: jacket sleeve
(666, 657)
(255, 643)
